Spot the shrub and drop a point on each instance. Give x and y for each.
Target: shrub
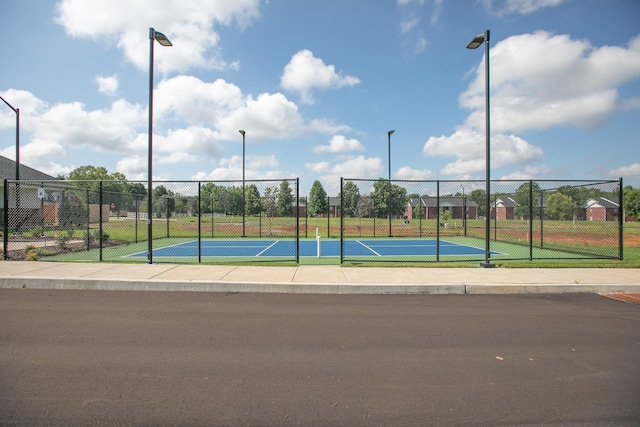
(62, 237)
(35, 232)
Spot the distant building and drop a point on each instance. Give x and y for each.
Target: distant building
(600, 209)
(38, 192)
(429, 207)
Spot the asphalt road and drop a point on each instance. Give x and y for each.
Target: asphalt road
(153, 358)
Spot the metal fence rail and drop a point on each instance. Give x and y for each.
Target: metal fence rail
(529, 220)
(108, 220)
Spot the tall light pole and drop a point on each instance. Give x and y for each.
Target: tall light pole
(164, 41)
(18, 213)
(389, 157)
(243, 189)
(474, 44)
(17, 111)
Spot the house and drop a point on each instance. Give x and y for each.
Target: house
(600, 209)
(503, 208)
(429, 207)
(37, 196)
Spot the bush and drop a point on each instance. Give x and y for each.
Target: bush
(94, 236)
(62, 237)
(35, 232)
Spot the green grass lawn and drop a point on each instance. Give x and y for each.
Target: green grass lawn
(512, 235)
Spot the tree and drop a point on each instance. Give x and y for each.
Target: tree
(560, 206)
(269, 204)
(252, 200)
(234, 200)
(380, 198)
(163, 201)
(318, 204)
(285, 199)
(350, 199)
(523, 199)
(114, 186)
(72, 212)
(479, 197)
(631, 198)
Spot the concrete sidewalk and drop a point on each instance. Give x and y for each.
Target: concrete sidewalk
(315, 279)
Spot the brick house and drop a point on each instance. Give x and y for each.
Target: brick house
(429, 206)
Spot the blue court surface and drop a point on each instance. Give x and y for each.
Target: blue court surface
(309, 248)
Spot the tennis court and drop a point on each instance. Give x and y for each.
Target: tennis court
(256, 248)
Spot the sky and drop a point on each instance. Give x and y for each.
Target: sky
(317, 85)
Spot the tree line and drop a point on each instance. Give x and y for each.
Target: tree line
(560, 203)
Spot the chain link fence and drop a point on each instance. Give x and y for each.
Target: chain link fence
(446, 220)
(374, 220)
(188, 221)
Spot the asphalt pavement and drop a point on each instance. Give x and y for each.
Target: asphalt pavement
(77, 357)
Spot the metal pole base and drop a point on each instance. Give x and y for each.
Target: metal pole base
(487, 264)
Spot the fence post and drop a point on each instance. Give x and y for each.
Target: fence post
(342, 222)
(167, 214)
(438, 220)
(5, 220)
(541, 220)
(200, 224)
(530, 220)
(88, 230)
(135, 202)
(297, 220)
(328, 217)
(620, 220)
(100, 221)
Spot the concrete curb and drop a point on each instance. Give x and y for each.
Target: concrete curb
(310, 288)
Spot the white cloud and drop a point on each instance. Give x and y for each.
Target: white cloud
(538, 81)
(529, 172)
(108, 130)
(107, 85)
(56, 170)
(406, 172)
(541, 80)
(339, 144)
(409, 24)
(305, 72)
(134, 167)
(520, 7)
(469, 147)
(631, 171)
(28, 104)
(230, 168)
(354, 167)
(190, 24)
(199, 102)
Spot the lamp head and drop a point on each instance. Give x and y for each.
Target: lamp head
(162, 39)
(390, 132)
(478, 40)
(242, 132)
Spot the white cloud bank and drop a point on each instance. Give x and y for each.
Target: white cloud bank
(538, 81)
(190, 24)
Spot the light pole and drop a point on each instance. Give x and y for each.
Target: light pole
(164, 41)
(474, 44)
(18, 213)
(17, 111)
(243, 189)
(389, 157)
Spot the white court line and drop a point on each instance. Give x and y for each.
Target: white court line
(267, 248)
(369, 248)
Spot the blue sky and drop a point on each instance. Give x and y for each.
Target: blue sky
(317, 85)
